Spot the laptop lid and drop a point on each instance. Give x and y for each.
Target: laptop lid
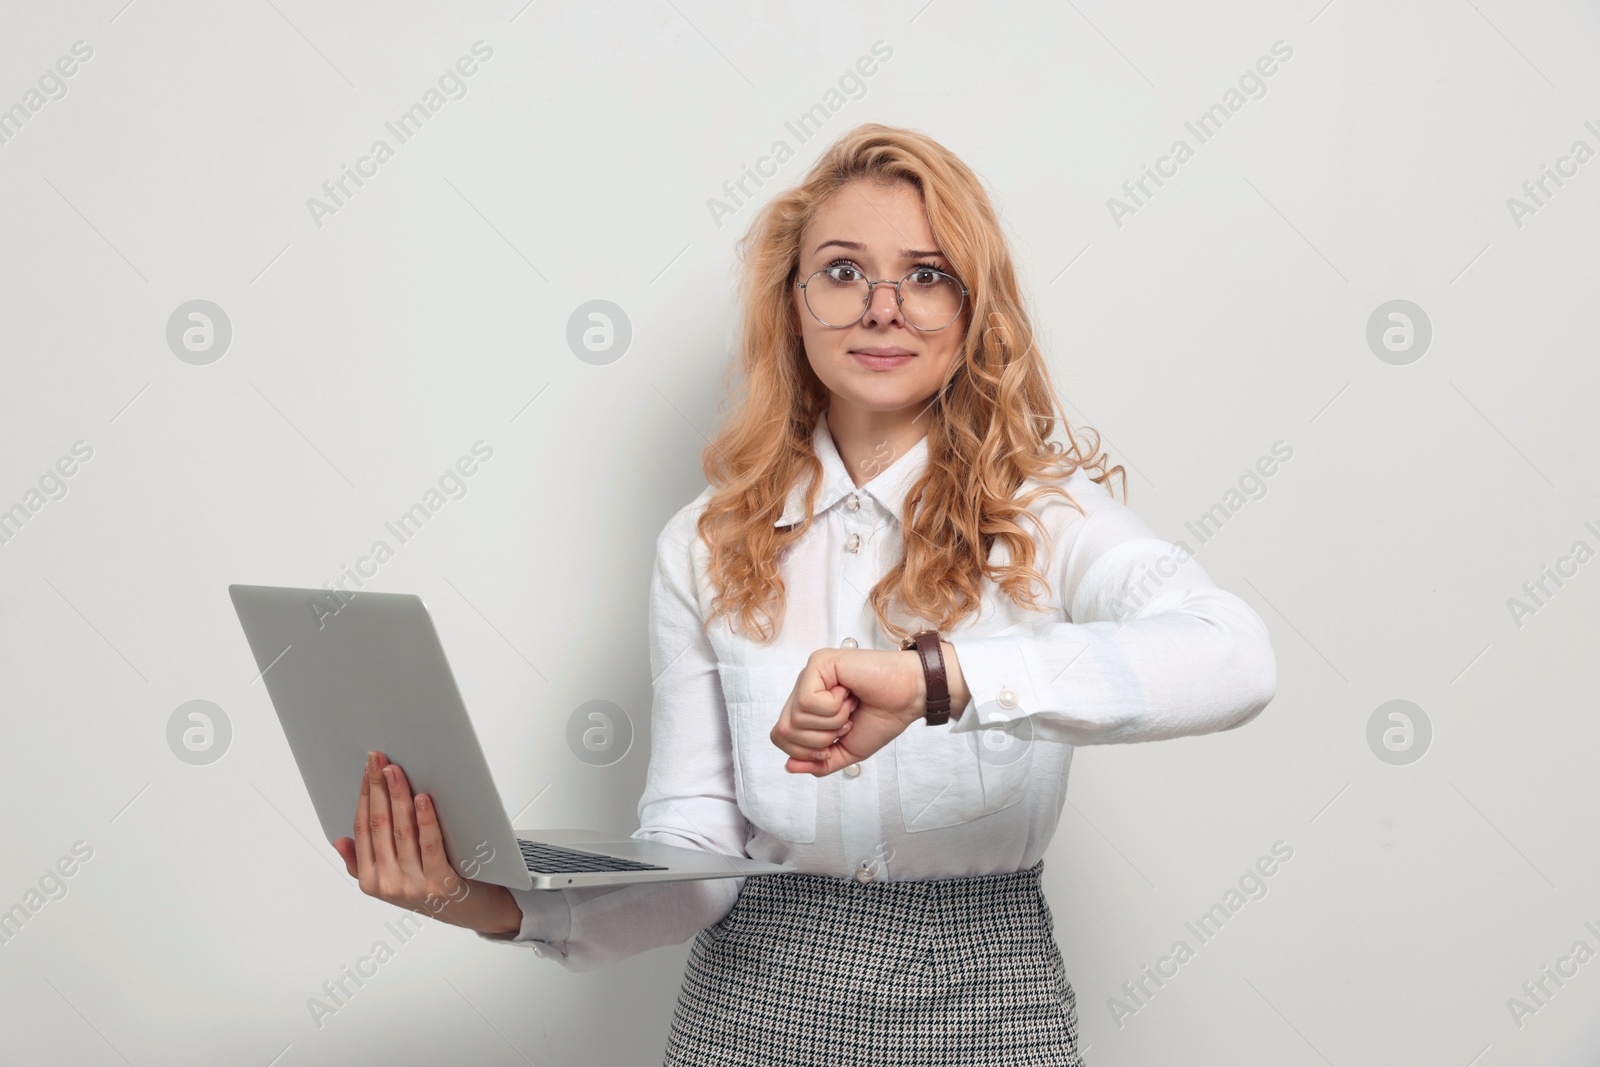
(350, 673)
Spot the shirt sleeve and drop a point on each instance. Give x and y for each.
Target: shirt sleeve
(1146, 647)
(688, 801)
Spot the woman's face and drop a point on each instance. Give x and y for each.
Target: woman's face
(882, 231)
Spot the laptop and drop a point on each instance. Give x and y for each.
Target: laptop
(350, 673)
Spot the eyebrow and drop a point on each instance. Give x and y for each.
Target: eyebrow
(906, 253)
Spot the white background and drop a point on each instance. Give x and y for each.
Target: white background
(1227, 313)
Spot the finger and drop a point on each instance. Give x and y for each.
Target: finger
(366, 864)
(404, 811)
(430, 842)
(810, 745)
(806, 741)
(819, 737)
(800, 734)
(805, 766)
(801, 744)
(381, 820)
(346, 847)
(821, 701)
(829, 718)
(820, 723)
(837, 759)
(813, 693)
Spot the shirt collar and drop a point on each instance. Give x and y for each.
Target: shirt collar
(888, 487)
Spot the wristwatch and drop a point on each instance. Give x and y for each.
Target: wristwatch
(926, 643)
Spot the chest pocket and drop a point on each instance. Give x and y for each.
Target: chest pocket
(946, 779)
(782, 804)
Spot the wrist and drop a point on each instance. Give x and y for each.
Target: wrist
(487, 908)
(506, 914)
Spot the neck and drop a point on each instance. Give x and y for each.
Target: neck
(869, 440)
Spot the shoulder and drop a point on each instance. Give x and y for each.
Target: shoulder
(681, 527)
(682, 557)
(1084, 497)
(679, 542)
(1092, 521)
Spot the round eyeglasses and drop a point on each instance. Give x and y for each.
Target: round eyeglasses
(839, 295)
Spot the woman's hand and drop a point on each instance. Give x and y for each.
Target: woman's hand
(398, 856)
(847, 704)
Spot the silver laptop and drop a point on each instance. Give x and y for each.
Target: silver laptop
(351, 673)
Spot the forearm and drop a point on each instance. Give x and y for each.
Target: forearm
(1203, 665)
(484, 907)
(606, 924)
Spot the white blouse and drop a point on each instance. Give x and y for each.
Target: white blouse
(1138, 644)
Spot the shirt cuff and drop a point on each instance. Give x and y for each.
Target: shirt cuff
(997, 679)
(546, 921)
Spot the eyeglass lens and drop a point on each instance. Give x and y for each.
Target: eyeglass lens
(838, 296)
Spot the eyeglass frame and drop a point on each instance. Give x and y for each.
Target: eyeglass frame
(899, 301)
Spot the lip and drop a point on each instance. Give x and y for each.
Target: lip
(882, 358)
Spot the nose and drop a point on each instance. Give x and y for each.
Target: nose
(882, 305)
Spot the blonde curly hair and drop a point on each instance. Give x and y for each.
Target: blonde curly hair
(994, 414)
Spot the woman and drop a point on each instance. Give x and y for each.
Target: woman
(888, 471)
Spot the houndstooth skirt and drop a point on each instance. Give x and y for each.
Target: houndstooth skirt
(809, 969)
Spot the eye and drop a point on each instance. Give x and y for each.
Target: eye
(926, 275)
(843, 273)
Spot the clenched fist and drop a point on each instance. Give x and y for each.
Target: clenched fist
(850, 702)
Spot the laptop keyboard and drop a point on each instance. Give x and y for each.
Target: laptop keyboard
(550, 859)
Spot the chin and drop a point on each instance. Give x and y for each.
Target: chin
(886, 399)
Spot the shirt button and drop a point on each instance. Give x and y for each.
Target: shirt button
(852, 502)
(1006, 698)
(849, 642)
(853, 544)
(854, 770)
(864, 874)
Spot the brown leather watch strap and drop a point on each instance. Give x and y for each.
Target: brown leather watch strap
(926, 642)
